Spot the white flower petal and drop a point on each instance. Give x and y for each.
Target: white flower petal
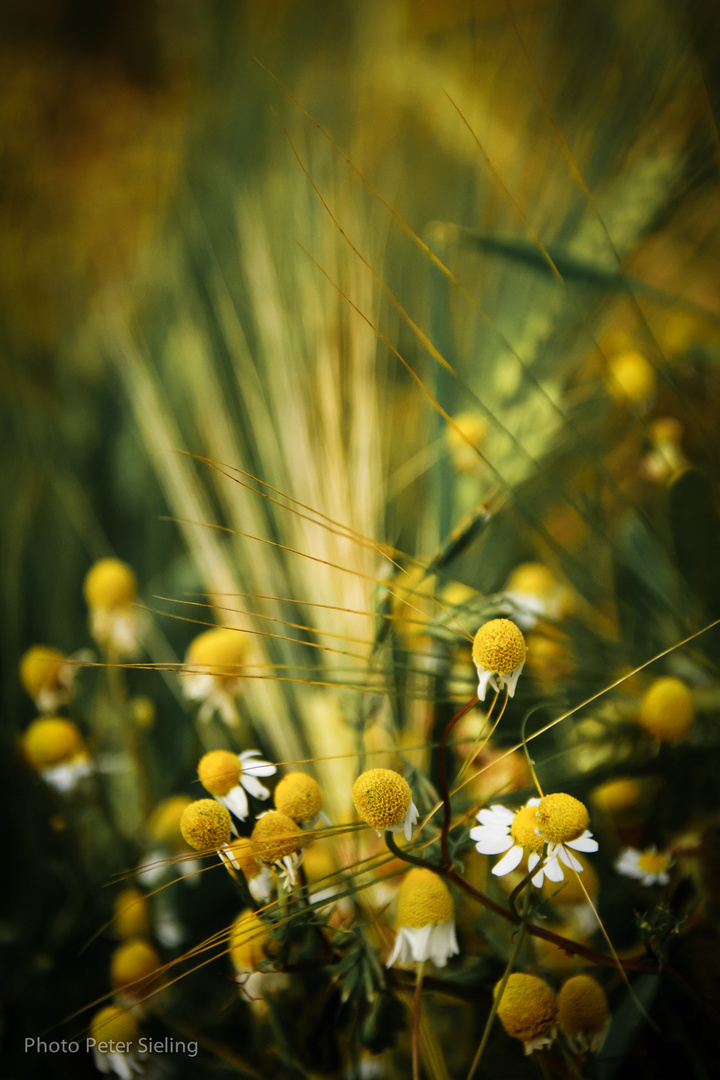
(256, 768)
(494, 845)
(254, 787)
(495, 815)
(569, 859)
(553, 870)
(584, 842)
(236, 802)
(509, 862)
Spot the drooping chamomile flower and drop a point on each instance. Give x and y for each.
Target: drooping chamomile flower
(299, 796)
(498, 653)
(250, 945)
(54, 747)
(240, 854)
(215, 660)
(278, 840)
(228, 776)
(528, 1010)
(562, 820)
(532, 593)
(206, 825)
(110, 589)
(134, 972)
(383, 799)
(114, 1032)
(583, 1013)
(667, 711)
(47, 677)
(515, 834)
(167, 842)
(650, 867)
(425, 920)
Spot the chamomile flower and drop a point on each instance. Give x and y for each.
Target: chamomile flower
(167, 841)
(278, 840)
(528, 1010)
(110, 589)
(113, 1033)
(240, 854)
(562, 820)
(299, 796)
(47, 677)
(134, 972)
(215, 660)
(426, 920)
(583, 1013)
(498, 653)
(206, 825)
(383, 799)
(54, 747)
(650, 867)
(229, 776)
(532, 593)
(667, 711)
(514, 835)
(251, 945)
(131, 914)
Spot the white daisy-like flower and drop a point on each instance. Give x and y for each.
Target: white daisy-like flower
(499, 656)
(54, 747)
(49, 676)
(513, 835)
(214, 663)
(110, 588)
(562, 820)
(228, 777)
(531, 594)
(426, 921)
(113, 1039)
(650, 867)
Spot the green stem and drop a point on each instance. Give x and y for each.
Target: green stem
(417, 1012)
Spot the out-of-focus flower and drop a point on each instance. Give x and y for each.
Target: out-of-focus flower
(53, 747)
(528, 1010)
(649, 867)
(168, 843)
(667, 711)
(114, 1032)
(215, 660)
(131, 914)
(631, 378)
(499, 656)
(47, 676)
(533, 593)
(425, 920)
(110, 589)
(583, 1013)
(383, 799)
(134, 972)
(229, 776)
(250, 945)
(465, 436)
(240, 854)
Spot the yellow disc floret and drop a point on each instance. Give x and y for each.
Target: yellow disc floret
(654, 862)
(381, 797)
(528, 1008)
(164, 822)
(109, 584)
(220, 651)
(499, 646)
(40, 667)
(276, 835)
(113, 1024)
(666, 710)
(298, 795)
(242, 851)
(219, 772)
(423, 900)
(561, 818)
(131, 913)
(50, 741)
(206, 824)
(134, 966)
(582, 1006)
(249, 941)
(523, 828)
(617, 796)
(631, 377)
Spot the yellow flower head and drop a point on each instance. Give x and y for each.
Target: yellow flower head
(114, 1024)
(51, 740)
(206, 824)
(381, 797)
(583, 1010)
(666, 710)
(131, 913)
(631, 377)
(424, 900)
(134, 967)
(275, 836)
(250, 941)
(40, 669)
(109, 584)
(523, 829)
(617, 796)
(467, 431)
(561, 818)
(219, 651)
(498, 653)
(219, 772)
(242, 853)
(164, 823)
(298, 795)
(528, 1010)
